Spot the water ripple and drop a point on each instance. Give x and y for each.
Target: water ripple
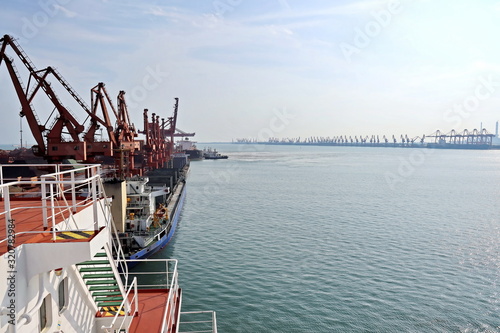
(315, 241)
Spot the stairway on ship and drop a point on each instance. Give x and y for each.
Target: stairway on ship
(102, 284)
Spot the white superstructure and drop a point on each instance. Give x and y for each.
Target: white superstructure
(61, 268)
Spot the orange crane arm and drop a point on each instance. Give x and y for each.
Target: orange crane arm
(26, 108)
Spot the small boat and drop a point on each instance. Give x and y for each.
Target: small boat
(213, 154)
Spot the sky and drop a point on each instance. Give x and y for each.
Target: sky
(274, 68)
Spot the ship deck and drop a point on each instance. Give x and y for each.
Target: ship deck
(151, 310)
(28, 224)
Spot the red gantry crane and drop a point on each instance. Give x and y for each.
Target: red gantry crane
(67, 138)
(56, 146)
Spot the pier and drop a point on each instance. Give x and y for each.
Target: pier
(475, 139)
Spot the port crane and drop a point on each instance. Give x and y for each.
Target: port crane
(466, 137)
(66, 137)
(181, 133)
(55, 147)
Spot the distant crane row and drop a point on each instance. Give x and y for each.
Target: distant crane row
(466, 137)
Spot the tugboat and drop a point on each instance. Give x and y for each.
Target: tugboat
(213, 154)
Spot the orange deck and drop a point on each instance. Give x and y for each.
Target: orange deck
(151, 311)
(28, 218)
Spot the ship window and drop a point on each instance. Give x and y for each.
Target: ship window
(45, 314)
(62, 294)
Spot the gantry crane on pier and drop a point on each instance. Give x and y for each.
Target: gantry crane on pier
(68, 138)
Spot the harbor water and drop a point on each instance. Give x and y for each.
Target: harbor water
(342, 239)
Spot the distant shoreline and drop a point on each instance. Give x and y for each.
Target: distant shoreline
(9, 146)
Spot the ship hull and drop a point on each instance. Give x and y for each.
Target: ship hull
(194, 154)
(223, 157)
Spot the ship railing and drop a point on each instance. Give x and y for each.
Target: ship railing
(174, 209)
(160, 274)
(198, 322)
(116, 251)
(153, 231)
(56, 185)
(54, 189)
(116, 268)
(130, 307)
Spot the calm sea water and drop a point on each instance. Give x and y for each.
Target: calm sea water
(342, 239)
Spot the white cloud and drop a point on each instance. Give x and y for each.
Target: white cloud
(243, 65)
(66, 11)
(157, 11)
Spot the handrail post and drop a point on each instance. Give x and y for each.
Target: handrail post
(136, 296)
(214, 322)
(53, 212)
(8, 216)
(44, 203)
(73, 191)
(94, 203)
(59, 192)
(1, 180)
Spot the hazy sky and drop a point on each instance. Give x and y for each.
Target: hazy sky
(282, 68)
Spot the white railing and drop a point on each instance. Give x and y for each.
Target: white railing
(198, 322)
(51, 190)
(122, 322)
(116, 250)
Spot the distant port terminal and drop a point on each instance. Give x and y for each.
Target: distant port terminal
(466, 139)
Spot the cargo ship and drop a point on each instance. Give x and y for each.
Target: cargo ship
(189, 148)
(147, 209)
(65, 269)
